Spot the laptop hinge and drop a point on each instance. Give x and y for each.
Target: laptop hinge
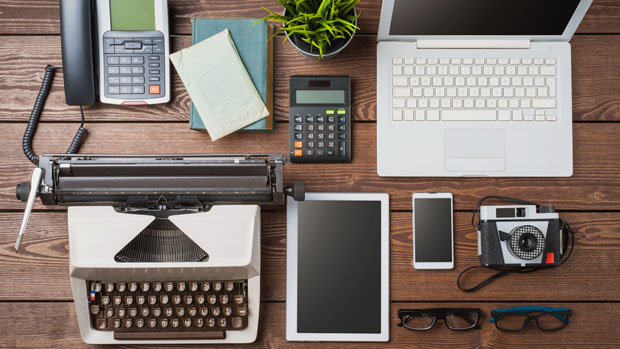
(430, 44)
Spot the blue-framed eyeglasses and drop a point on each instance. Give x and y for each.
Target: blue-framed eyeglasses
(516, 319)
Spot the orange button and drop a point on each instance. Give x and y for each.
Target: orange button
(550, 258)
(298, 152)
(299, 144)
(154, 89)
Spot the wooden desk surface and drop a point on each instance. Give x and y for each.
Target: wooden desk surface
(36, 307)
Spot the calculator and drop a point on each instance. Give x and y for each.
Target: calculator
(320, 118)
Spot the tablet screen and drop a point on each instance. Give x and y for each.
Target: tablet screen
(339, 267)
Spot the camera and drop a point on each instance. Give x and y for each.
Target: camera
(520, 235)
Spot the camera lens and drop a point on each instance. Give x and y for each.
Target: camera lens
(528, 242)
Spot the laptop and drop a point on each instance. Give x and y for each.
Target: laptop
(475, 88)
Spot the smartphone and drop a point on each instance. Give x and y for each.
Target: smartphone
(433, 237)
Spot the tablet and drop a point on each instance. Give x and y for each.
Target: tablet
(337, 268)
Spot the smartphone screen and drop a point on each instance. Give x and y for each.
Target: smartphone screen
(433, 229)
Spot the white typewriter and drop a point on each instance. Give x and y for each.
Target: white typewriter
(163, 249)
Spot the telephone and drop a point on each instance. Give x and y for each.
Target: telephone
(117, 49)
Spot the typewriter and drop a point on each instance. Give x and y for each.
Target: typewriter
(163, 249)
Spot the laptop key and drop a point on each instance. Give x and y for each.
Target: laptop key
(469, 115)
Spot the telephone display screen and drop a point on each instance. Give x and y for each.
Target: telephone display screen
(433, 230)
(132, 15)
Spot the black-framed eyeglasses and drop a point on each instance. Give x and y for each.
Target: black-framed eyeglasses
(456, 319)
(516, 319)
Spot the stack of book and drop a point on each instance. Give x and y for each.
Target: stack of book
(256, 52)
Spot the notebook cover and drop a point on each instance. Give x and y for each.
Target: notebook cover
(256, 53)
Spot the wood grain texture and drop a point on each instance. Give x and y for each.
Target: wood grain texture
(41, 16)
(41, 270)
(595, 184)
(593, 325)
(596, 81)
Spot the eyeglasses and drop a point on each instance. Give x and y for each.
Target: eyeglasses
(457, 319)
(517, 319)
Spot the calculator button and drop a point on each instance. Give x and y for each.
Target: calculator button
(298, 152)
(320, 136)
(342, 128)
(342, 119)
(154, 89)
(299, 127)
(125, 60)
(299, 119)
(320, 127)
(330, 112)
(331, 144)
(320, 119)
(331, 127)
(320, 144)
(342, 136)
(331, 119)
(310, 136)
(310, 144)
(342, 112)
(137, 60)
(320, 153)
(342, 149)
(330, 152)
(113, 60)
(331, 136)
(299, 136)
(309, 152)
(299, 144)
(309, 127)
(309, 118)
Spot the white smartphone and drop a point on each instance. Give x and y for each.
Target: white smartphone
(433, 237)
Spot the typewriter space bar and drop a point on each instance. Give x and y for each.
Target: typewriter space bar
(468, 115)
(169, 335)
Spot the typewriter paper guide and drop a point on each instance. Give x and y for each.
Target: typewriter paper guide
(226, 232)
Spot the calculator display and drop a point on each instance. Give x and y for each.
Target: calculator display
(320, 96)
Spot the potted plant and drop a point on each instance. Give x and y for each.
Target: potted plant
(318, 29)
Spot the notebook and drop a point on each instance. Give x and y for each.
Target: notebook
(256, 52)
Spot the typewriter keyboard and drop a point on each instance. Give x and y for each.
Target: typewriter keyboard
(168, 310)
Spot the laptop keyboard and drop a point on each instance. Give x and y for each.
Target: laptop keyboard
(480, 89)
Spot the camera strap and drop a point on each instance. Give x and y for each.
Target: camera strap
(503, 271)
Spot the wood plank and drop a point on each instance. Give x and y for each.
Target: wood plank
(595, 184)
(596, 81)
(54, 325)
(41, 16)
(41, 270)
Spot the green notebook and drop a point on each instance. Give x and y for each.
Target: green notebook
(256, 53)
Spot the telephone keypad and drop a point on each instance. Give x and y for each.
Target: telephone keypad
(127, 61)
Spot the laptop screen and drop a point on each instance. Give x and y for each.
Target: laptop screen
(481, 17)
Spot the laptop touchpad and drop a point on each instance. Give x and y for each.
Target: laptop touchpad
(474, 150)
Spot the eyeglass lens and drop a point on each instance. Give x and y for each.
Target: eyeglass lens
(511, 322)
(461, 320)
(419, 321)
(551, 322)
(517, 322)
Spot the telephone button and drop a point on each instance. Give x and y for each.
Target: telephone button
(153, 71)
(137, 80)
(113, 60)
(124, 70)
(108, 45)
(144, 41)
(154, 58)
(114, 80)
(154, 89)
(137, 70)
(137, 89)
(137, 60)
(125, 60)
(113, 70)
(133, 45)
(114, 90)
(154, 78)
(153, 65)
(125, 80)
(125, 90)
